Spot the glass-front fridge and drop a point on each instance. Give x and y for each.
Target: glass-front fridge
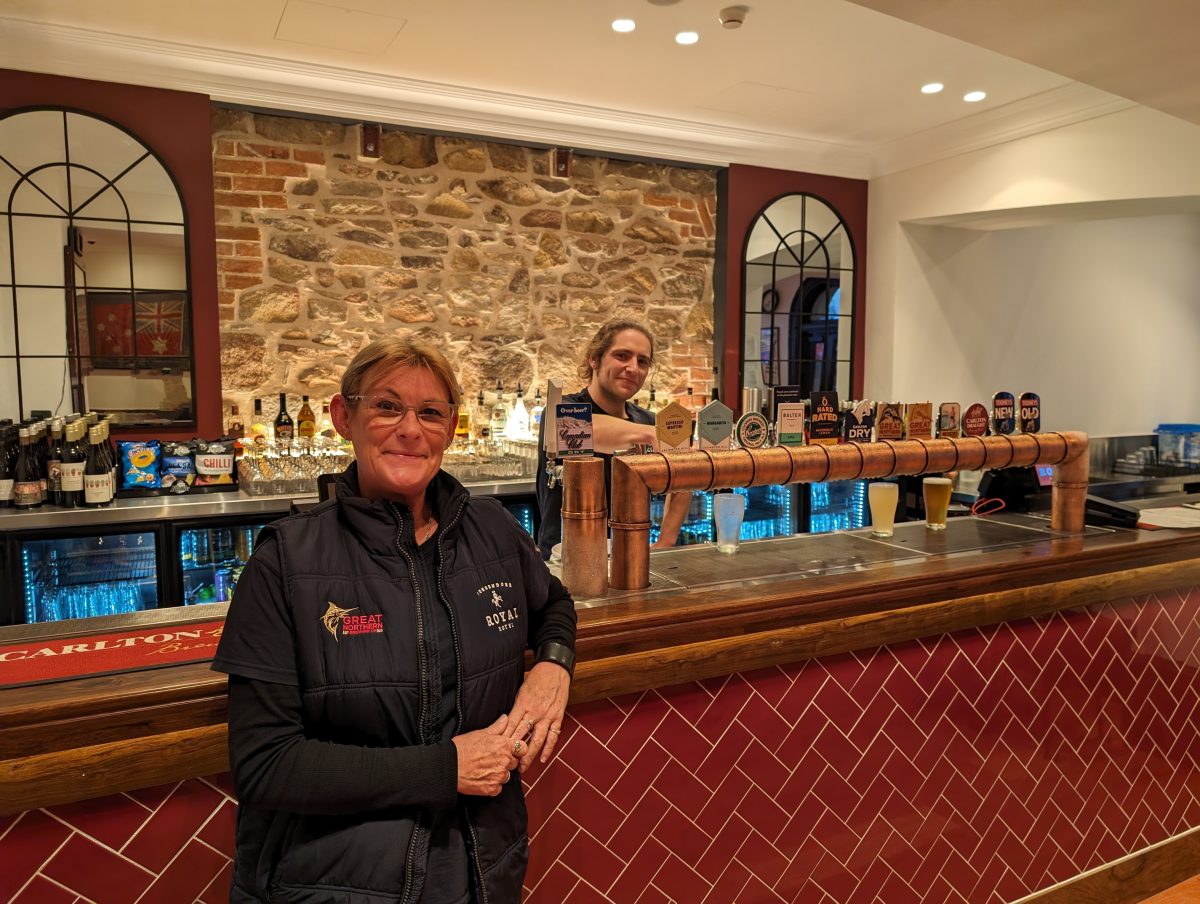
(80, 573)
(209, 556)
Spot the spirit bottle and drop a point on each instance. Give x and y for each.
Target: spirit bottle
(518, 418)
(284, 428)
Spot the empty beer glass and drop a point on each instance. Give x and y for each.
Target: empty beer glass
(728, 511)
(936, 491)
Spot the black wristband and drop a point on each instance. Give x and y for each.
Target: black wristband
(559, 654)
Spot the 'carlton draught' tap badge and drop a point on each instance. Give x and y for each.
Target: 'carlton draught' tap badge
(975, 420)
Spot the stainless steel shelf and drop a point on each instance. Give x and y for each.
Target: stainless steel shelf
(208, 505)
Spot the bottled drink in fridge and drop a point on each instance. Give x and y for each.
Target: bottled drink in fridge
(73, 460)
(97, 478)
(54, 493)
(27, 481)
(7, 465)
(284, 428)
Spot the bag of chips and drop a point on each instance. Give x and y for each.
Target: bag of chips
(139, 464)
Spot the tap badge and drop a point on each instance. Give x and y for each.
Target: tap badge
(338, 619)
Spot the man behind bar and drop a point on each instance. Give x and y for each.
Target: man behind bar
(615, 365)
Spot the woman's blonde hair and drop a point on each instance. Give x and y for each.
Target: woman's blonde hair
(603, 340)
(383, 355)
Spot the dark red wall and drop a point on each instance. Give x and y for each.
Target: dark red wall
(751, 190)
(177, 126)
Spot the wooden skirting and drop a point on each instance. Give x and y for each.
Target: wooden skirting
(1133, 878)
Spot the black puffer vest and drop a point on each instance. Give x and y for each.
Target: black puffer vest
(360, 653)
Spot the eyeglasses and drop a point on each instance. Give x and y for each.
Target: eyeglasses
(388, 411)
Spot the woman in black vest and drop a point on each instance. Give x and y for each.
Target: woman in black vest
(378, 705)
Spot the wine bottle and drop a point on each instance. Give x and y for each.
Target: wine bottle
(27, 482)
(6, 468)
(284, 428)
(54, 493)
(73, 460)
(306, 424)
(97, 480)
(258, 429)
(110, 456)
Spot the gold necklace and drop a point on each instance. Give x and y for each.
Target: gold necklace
(427, 530)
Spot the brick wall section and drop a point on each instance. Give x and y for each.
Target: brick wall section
(470, 244)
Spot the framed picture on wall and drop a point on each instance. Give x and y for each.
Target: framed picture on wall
(124, 327)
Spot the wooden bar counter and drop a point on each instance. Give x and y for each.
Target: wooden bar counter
(974, 714)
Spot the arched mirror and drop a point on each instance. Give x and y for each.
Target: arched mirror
(95, 303)
(799, 301)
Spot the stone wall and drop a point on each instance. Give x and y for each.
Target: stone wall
(472, 245)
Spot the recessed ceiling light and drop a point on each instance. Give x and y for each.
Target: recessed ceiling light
(687, 37)
(974, 97)
(623, 25)
(932, 88)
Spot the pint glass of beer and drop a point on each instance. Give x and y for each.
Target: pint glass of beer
(936, 491)
(882, 498)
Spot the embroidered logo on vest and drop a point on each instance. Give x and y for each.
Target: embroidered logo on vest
(503, 618)
(336, 618)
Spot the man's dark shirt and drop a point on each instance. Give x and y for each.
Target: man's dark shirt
(550, 500)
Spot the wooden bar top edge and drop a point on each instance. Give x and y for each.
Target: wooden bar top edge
(80, 739)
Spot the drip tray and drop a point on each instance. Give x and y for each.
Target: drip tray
(812, 555)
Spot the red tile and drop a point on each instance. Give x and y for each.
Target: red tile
(835, 836)
(653, 896)
(173, 824)
(799, 697)
(836, 793)
(902, 774)
(7, 821)
(587, 756)
(834, 879)
(731, 836)
(835, 703)
(590, 809)
(836, 749)
(602, 718)
(691, 701)
(771, 683)
(763, 721)
(683, 789)
(554, 784)
(761, 857)
(763, 768)
(767, 817)
(96, 872)
(589, 859)
(871, 723)
(223, 782)
(187, 877)
(799, 784)
(42, 891)
(585, 894)
(556, 886)
(26, 846)
(756, 892)
(682, 836)
(547, 846)
(680, 881)
(218, 890)
(638, 872)
(729, 885)
(630, 838)
(641, 723)
(725, 800)
(724, 755)
(111, 820)
(219, 832)
(152, 798)
(687, 745)
(641, 773)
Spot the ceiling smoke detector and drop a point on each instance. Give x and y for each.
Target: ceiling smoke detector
(733, 16)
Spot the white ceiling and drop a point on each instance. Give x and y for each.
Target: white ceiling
(822, 85)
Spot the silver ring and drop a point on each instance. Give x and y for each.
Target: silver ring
(556, 730)
(527, 722)
(517, 744)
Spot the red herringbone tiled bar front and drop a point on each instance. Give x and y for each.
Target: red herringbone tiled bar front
(972, 730)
